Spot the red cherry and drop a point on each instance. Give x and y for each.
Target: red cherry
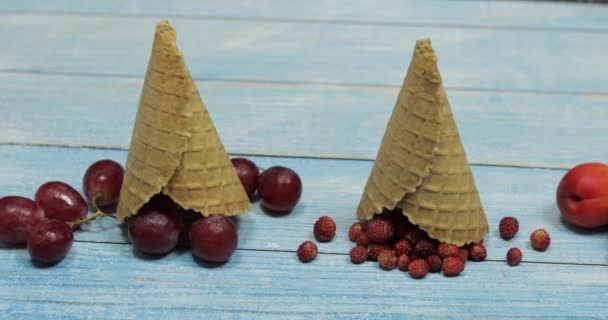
(280, 189)
(155, 229)
(248, 173)
(17, 217)
(213, 239)
(49, 241)
(102, 182)
(62, 202)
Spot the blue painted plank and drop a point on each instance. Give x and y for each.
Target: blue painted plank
(332, 187)
(107, 281)
(505, 14)
(309, 120)
(327, 53)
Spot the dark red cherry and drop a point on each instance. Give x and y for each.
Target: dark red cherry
(248, 173)
(213, 239)
(102, 182)
(49, 241)
(60, 201)
(280, 189)
(154, 230)
(17, 217)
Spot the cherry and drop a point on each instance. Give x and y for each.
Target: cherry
(213, 239)
(62, 202)
(280, 189)
(49, 241)
(102, 182)
(17, 217)
(248, 174)
(155, 229)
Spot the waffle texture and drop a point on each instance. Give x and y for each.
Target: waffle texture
(421, 166)
(175, 148)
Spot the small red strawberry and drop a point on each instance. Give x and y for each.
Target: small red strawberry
(508, 227)
(402, 247)
(363, 240)
(403, 262)
(355, 230)
(463, 254)
(374, 250)
(540, 240)
(514, 256)
(452, 267)
(434, 262)
(379, 230)
(307, 251)
(478, 252)
(358, 255)
(325, 229)
(387, 260)
(418, 268)
(447, 250)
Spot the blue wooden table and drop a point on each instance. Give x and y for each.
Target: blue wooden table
(309, 85)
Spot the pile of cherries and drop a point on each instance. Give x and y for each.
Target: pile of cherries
(279, 188)
(162, 225)
(46, 223)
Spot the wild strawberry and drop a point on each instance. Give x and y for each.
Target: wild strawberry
(418, 268)
(402, 247)
(356, 229)
(434, 262)
(425, 248)
(447, 250)
(307, 251)
(478, 252)
(374, 250)
(463, 254)
(540, 240)
(358, 255)
(514, 256)
(508, 227)
(379, 230)
(325, 229)
(363, 240)
(452, 267)
(387, 260)
(403, 262)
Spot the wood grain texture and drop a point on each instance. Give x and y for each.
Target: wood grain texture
(542, 130)
(479, 14)
(332, 187)
(263, 285)
(325, 53)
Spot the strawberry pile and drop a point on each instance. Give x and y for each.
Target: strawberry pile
(395, 243)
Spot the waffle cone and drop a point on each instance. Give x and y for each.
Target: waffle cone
(421, 167)
(175, 148)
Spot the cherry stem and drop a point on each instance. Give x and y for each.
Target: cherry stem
(92, 217)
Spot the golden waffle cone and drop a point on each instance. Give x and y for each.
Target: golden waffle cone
(421, 166)
(175, 148)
